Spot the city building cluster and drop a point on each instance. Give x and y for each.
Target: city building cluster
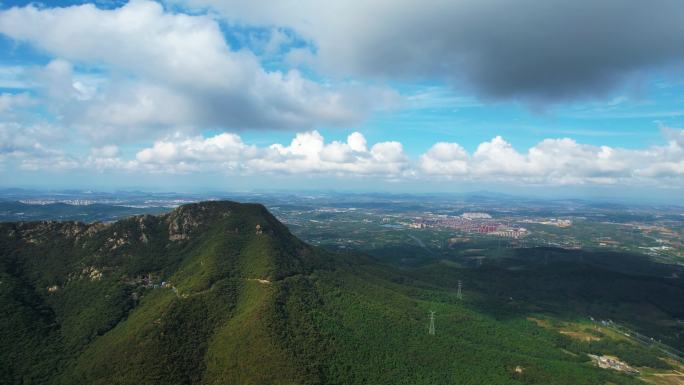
(472, 223)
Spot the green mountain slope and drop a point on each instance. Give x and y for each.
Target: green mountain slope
(222, 293)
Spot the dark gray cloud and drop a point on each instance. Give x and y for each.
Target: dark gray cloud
(564, 49)
(530, 49)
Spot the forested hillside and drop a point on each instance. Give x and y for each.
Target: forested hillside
(222, 293)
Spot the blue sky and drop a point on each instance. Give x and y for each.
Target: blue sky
(418, 96)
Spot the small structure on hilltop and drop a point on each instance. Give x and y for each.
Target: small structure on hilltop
(258, 229)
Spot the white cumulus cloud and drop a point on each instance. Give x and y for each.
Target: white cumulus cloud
(166, 70)
(449, 159)
(306, 154)
(558, 162)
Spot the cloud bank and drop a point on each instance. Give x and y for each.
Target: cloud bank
(560, 161)
(149, 69)
(537, 50)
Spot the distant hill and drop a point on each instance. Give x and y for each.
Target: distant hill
(222, 293)
(14, 210)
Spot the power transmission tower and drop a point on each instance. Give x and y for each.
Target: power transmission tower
(431, 329)
(459, 295)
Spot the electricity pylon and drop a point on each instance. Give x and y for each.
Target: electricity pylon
(431, 329)
(459, 294)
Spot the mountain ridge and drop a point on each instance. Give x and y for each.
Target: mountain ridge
(197, 250)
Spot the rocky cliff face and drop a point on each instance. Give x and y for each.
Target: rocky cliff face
(183, 220)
